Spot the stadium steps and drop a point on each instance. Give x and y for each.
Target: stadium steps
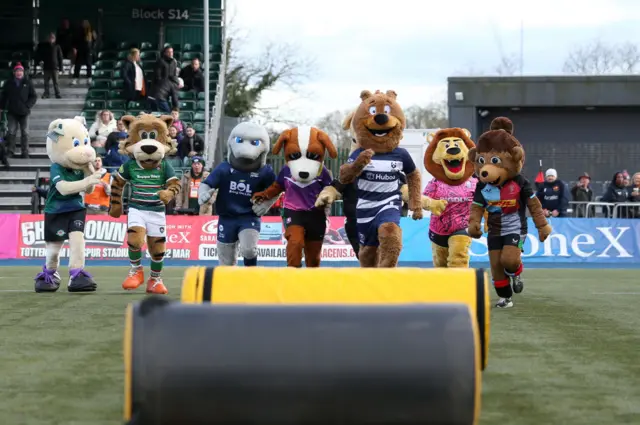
(16, 181)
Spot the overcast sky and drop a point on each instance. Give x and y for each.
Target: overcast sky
(412, 46)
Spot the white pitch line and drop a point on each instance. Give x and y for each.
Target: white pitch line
(615, 293)
(64, 290)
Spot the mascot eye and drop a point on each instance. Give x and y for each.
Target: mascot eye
(495, 160)
(143, 135)
(295, 156)
(152, 135)
(313, 156)
(76, 142)
(373, 110)
(238, 139)
(256, 142)
(86, 140)
(481, 160)
(387, 109)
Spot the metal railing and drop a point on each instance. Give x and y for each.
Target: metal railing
(604, 209)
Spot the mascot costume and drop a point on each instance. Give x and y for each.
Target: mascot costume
(72, 157)
(505, 194)
(153, 185)
(453, 185)
(244, 172)
(377, 168)
(302, 179)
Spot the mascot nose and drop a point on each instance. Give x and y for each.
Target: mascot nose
(303, 174)
(453, 151)
(381, 119)
(484, 174)
(148, 149)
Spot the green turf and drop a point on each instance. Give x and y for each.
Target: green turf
(568, 353)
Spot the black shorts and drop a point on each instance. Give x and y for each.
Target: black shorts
(314, 222)
(496, 243)
(58, 226)
(443, 240)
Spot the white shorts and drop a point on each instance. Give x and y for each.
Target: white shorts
(155, 222)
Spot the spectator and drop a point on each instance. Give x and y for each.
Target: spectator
(553, 195)
(17, 98)
(634, 195)
(50, 55)
(4, 156)
(165, 82)
(582, 194)
(85, 39)
(175, 135)
(97, 202)
(121, 127)
(133, 76)
(104, 125)
(190, 146)
(192, 76)
(177, 123)
(65, 37)
(188, 197)
(616, 193)
(113, 157)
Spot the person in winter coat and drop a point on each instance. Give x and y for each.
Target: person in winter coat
(165, 82)
(191, 145)
(85, 39)
(113, 158)
(17, 98)
(192, 76)
(133, 76)
(616, 193)
(582, 193)
(634, 195)
(188, 198)
(104, 125)
(65, 39)
(553, 195)
(50, 55)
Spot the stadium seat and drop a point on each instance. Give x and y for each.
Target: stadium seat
(107, 55)
(119, 64)
(94, 104)
(148, 65)
(186, 95)
(1, 83)
(123, 55)
(103, 74)
(134, 112)
(174, 161)
(199, 127)
(117, 73)
(177, 55)
(89, 114)
(188, 47)
(117, 104)
(100, 84)
(115, 94)
(201, 95)
(100, 151)
(117, 84)
(117, 114)
(126, 45)
(187, 105)
(186, 116)
(147, 45)
(134, 105)
(97, 94)
(149, 56)
(188, 56)
(202, 105)
(105, 64)
(199, 116)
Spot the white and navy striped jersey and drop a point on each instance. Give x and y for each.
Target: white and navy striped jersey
(378, 186)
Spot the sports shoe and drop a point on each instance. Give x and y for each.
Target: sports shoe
(81, 281)
(134, 279)
(517, 284)
(504, 303)
(47, 280)
(155, 286)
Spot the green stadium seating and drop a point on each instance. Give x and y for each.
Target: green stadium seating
(107, 55)
(100, 84)
(123, 55)
(97, 94)
(199, 116)
(186, 116)
(187, 105)
(188, 56)
(115, 94)
(104, 64)
(126, 45)
(117, 73)
(94, 104)
(176, 46)
(117, 104)
(147, 45)
(199, 127)
(117, 114)
(202, 105)
(117, 84)
(1, 83)
(100, 151)
(177, 55)
(89, 114)
(119, 64)
(134, 105)
(188, 47)
(149, 56)
(201, 95)
(175, 161)
(134, 112)
(186, 95)
(148, 65)
(103, 74)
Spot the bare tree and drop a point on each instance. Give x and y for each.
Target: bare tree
(628, 57)
(599, 58)
(433, 115)
(332, 125)
(509, 65)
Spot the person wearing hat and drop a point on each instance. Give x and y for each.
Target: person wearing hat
(188, 197)
(553, 195)
(17, 98)
(582, 194)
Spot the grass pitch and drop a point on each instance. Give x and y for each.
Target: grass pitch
(567, 353)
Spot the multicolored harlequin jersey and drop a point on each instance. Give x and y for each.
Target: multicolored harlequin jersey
(506, 205)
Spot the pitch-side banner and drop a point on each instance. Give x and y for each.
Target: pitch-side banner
(195, 237)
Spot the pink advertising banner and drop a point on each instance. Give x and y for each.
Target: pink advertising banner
(9, 225)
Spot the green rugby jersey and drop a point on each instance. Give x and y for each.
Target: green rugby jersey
(57, 203)
(145, 184)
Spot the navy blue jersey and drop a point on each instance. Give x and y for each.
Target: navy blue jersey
(378, 186)
(235, 188)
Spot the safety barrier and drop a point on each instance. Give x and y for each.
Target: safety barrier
(604, 209)
(297, 365)
(258, 285)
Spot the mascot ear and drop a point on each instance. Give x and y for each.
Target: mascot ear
(81, 120)
(167, 119)
(346, 124)
(282, 140)
(466, 132)
(517, 153)
(430, 137)
(471, 156)
(392, 94)
(56, 129)
(365, 94)
(127, 120)
(122, 146)
(328, 145)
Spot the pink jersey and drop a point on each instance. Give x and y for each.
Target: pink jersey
(456, 216)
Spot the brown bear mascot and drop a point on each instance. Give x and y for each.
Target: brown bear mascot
(377, 167)
(505, 194)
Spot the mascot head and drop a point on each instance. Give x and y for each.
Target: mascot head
(248, 146)
(379, 121)
(148, 141)
(498, 156)
(447, 153)
(304, 151)
(69, 145)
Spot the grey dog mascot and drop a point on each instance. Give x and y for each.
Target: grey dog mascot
(243, 173)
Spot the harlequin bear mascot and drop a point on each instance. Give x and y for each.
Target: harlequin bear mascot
(244, 172)
(302, 180)
(376, 167)
(153, 185)
(71, 154)
(506, 195)
(453, 183)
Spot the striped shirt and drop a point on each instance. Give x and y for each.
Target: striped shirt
(378, 186)
(145, 184)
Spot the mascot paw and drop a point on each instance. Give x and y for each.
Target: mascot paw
(544, 232)
(115, 211)
(474, 230)
(258, 198)
(326, 197)
(165, 196)
(436, 206)
(260, 209)
(417, 214)
(364, 158)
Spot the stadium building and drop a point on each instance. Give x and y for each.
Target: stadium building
(573, 124)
